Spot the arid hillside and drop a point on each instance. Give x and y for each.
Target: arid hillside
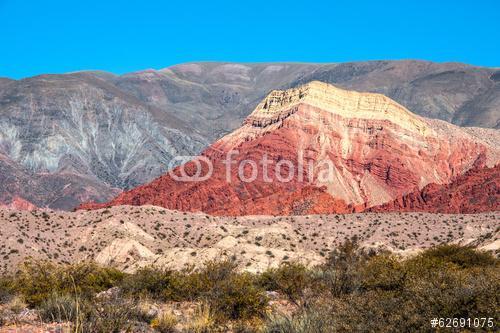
(130, 237)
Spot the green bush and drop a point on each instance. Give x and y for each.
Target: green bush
(237, 297)
(37, 281)
(341, 274)
(147, 281)
(186, 285)
(191, 284)
(383, 293)
(291, 279)
(383, 272)
(463, 256)
(229, 294)
(353, 291)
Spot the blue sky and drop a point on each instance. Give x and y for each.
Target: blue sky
(122, 36)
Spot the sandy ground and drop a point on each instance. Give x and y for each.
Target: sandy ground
(130, 237)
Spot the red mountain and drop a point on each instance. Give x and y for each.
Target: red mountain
(477, 190)
(339, 151)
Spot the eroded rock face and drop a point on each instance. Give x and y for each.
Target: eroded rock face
(22, 189)
(357, 150)
(478, 190)
(80, 129)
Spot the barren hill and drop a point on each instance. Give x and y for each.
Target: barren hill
(129, 237)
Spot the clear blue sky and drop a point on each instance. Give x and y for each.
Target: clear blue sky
(122, 36)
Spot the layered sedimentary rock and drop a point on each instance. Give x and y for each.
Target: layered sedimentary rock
(477, 190)
(326, 150)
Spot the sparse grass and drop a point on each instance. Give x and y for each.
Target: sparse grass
(202, 321)
(165, 322)
(59, 308)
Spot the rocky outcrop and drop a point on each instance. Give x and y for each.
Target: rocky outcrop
(280, 104)
(338, 151)
(478, 190)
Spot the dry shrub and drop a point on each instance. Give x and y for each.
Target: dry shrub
(230, 295)
(382, 293)
(147, 282)
(112, 314)
(202, 321)
(59, 308)
(6, 289)
(165, 322)
(237, 297)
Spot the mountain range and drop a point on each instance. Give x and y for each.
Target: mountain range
(327, 150)
(86, 136)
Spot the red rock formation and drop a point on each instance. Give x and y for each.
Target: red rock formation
(343, 150)
(18, 203)
(478, 190)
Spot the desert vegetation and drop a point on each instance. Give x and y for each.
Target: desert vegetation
(132, 237)
(354, 290)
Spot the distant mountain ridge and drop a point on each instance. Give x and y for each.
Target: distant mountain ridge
(123, 131)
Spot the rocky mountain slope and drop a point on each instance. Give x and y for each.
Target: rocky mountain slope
(131, 237)
(21, 188)
(475, 191)
(122, 131)
(78, 129)
(338, 151)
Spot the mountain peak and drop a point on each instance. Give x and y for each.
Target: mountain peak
(279, 104)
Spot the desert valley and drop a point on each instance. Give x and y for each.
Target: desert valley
(250, 197)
